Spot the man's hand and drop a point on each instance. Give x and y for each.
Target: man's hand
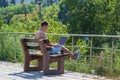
(53, 44)
(56, 44)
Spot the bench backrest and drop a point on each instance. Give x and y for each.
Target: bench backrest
(33, 44)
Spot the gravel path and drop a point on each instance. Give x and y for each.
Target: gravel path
(14, 71)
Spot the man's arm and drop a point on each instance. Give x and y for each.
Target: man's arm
(51, 44)
(40, 36)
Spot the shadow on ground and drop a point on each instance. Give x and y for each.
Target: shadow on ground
(32, 75)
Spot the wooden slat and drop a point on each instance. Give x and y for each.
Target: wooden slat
(33, 47)
(32, 40)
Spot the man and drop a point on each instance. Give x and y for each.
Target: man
(42, 35)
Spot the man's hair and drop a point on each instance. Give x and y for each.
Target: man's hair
(44, 23)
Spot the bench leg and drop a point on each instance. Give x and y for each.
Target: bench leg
(60, 69)
(28, 68)
(61, 66)
(46, 65)
(40, 64)
(26, 65)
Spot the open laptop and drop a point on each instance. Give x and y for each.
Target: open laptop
(62, 40)
(57, 49)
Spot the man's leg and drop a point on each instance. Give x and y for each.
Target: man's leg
(65, 50)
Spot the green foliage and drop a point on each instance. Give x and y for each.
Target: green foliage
(80, 16)
(64, 15)
(8, 12)
(82, 45)
(10, 48)
(24, 26)
(93, 16)
(16, 9)
(3, 3)
(9, 44)
(13, 2)
(51, 12)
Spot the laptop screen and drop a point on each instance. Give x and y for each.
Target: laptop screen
(62, 40)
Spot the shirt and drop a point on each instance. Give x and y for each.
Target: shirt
(40, 34)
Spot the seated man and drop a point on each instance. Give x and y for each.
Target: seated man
(41, 35)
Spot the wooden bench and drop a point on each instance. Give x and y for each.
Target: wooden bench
(44, 60)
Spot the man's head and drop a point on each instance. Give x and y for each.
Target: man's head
(44, 25)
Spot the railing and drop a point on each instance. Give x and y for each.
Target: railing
(97, 51)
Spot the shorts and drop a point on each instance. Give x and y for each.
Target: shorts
(55, 50)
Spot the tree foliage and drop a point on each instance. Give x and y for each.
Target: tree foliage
(32, 24)
(8, 12)
(17, 22)
(3, 3)
(93, 16)
(13, 2)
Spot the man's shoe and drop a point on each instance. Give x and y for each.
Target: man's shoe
(76, 55)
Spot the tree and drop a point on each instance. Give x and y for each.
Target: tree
(22, 1)
(13, 2)
(92, 16)
(8, 12)
(3, 3)
(50, 2)
(64, 15)
(35, 1)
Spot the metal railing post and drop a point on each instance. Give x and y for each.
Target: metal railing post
(72, 43)
(91, 47)
(15, 43)
(111, 66)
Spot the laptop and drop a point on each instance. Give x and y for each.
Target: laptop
(62, 40)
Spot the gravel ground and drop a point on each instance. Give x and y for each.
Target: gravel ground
(14, 71)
